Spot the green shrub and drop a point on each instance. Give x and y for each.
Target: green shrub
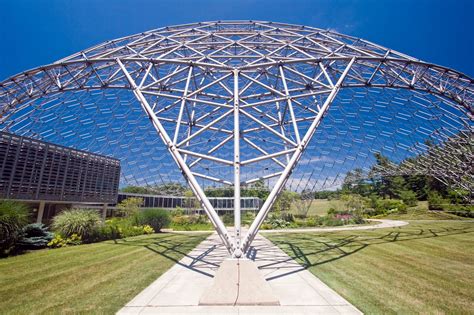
(458, 196)
(190, 223)
(288, 217)
(357, 219)
(180, 220)
(192, 227)
(228, 218)
(156, 218)
(134, 230)
(35, 236)
(83, 222)
(390, 204)
(130, 206)
(330, 220)
(266, 226)
(355, 202)
(248, 217)
(383, 207)
(277, 222)
(13, 217)
(408, 197)
(200, 219)
(177, 212)
(313, 221)
(372, 212)
(436, 201)
(117, 228)
(111, 230)
(462, 212)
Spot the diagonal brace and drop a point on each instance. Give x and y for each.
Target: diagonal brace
(198, 192)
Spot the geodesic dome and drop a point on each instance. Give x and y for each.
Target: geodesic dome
(388, 102)
(238, 102)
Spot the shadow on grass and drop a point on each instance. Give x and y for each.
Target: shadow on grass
(307, 249)
(173, 247)
(315, 249)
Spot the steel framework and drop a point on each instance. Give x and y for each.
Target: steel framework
(239, 102)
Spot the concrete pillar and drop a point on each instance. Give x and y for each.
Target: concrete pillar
(104, 212)
(39, 218)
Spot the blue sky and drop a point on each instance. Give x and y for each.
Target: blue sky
(36, 32)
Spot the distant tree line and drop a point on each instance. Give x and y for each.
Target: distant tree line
(408, 188)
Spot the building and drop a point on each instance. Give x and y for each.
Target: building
(50, 177)
(220, 204)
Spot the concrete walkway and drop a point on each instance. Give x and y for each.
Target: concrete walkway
(179, 289)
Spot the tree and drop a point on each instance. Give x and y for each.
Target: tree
(258, 189)
(418, 184)
(284, 201)
(356, 182)
(354, 202)
(394, 186)
(408, 197)
(136, 190)
(130, 206)
(327, 194)
(386, 185)
(191, 203)
(169, 189)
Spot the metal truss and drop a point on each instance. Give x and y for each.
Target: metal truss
(239, 102)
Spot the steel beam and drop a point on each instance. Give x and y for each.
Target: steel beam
(237, 251)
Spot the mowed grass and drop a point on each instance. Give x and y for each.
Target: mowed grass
(425, 267)
(315, 207)
(93, 278)
(421, 212)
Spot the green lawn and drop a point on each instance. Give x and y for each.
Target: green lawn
(97, 278)
(316, 207)
(421, 212)
(426, 267)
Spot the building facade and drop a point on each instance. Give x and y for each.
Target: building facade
(50, 177)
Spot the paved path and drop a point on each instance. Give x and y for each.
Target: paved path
(179, 289)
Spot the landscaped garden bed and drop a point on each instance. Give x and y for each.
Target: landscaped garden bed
(72, 227)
